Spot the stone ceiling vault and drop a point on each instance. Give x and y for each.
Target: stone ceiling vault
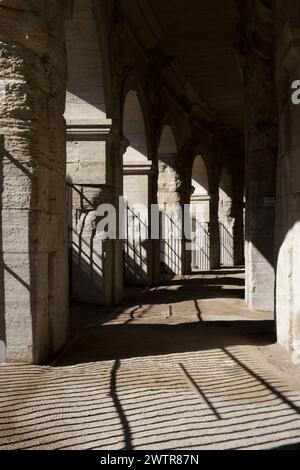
(201, 35)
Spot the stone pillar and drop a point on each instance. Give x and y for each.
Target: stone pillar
(155, 242)
(288, 187)
(261, 152)
(115, 156)
(91, 181)
(237, 211)
(238, 231)
(226, 218)
(34, 302)
(214, 232)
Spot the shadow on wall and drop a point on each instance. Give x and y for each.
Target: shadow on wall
(87, 253)
(226, 246)
(200, 254)
(135, 249)
(20, 292)
(170, 246)
(87, 269)
(201, 216)
(14, 283)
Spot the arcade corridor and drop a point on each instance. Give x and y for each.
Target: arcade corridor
(149, 224)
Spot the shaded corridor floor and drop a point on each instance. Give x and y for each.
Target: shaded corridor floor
(182, 366)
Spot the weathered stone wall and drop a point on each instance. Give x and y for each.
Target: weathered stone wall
(33, 210)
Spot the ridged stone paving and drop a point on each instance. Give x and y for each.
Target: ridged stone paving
(188, 371)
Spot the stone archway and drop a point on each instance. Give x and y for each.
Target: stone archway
(88, 147)
(200, 215)
(226, 220)
(136, 191)
(170, 199)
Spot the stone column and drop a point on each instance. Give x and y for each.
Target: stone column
(92, 182)
(226, 217)
(117, 149)
(238, 232)
(34, 302)
(261, 152)
(237, 211)
(214, 233)
(288, 187)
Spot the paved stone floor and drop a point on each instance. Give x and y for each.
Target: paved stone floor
(182, 366)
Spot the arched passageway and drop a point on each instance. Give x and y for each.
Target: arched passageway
(231, 216)
(137, 192)
(169, 199)
(107, 43)
(226, 220)
(200, 216)
(87, 171)
(189, 353)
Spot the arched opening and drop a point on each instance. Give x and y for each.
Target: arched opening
(200, 216)
(87, 159)
(136, 191)
(231, 216)
(226, 219)
(169, 198)
(135, 131)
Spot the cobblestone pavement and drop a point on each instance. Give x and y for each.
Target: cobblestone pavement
(182, 366)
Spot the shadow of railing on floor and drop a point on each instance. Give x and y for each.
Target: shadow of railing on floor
(219, 399)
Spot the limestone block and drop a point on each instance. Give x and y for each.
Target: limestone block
(14, 175)
(86, 152)
(17, 277)
(94, 112)
(86, 162)
(86, 173)
(25, 277)
(33, 232)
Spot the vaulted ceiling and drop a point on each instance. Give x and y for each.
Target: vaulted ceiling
(201, 35)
